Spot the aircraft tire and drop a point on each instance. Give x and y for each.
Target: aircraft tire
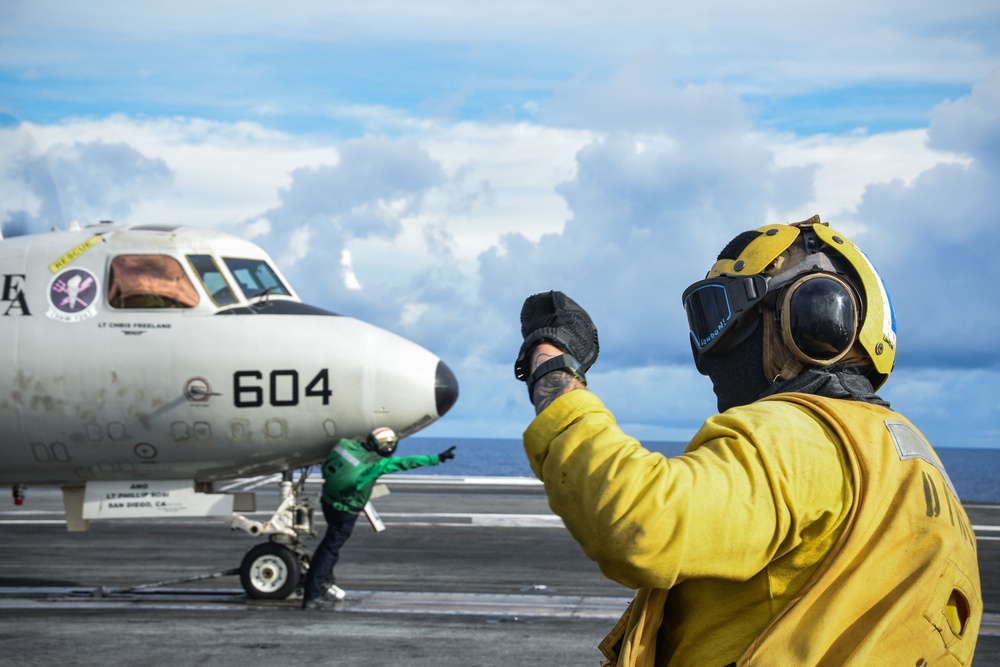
(269, 571)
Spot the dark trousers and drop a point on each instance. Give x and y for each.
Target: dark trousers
(339, 526)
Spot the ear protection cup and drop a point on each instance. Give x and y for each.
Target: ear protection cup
(818, 314)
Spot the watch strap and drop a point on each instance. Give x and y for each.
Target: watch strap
(563, 362)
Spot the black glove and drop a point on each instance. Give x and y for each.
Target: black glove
(446, 454)
(556, 318)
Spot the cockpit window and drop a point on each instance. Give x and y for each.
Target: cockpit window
(213, 280)
(255, 277)
(149, 281)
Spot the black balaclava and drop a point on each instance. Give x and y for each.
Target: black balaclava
(738, 377)
(738, 374)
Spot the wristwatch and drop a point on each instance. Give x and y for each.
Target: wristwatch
(564, 362)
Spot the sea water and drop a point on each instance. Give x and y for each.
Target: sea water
(974, 472)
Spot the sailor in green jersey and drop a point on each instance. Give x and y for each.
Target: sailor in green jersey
(349, 475)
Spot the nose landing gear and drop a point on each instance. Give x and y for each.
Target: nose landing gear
(273, 570)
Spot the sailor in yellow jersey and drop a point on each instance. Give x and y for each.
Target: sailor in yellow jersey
(806, 523)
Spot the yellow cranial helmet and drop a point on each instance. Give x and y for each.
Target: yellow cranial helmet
(828, 301)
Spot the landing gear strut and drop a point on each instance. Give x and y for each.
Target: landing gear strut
(273, 570)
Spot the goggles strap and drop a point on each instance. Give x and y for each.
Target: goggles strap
(779, 363)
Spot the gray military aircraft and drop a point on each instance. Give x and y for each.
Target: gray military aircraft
(140, 366)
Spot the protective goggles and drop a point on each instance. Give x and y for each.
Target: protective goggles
(714, 306)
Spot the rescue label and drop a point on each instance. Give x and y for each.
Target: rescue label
(73, 253)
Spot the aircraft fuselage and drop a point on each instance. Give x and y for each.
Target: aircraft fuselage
(174, 353)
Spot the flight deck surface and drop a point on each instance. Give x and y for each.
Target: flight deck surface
(468, 572)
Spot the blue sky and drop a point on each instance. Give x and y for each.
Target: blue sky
(426, 166)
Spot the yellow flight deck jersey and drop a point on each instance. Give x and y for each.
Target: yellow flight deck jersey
(796, 530)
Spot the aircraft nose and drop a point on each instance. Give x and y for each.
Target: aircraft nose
(445, 388)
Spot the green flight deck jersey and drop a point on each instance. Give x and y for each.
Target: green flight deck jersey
(351, 470)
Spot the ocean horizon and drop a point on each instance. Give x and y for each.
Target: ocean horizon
(974, 472)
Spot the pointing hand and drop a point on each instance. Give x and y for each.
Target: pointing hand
(446, 454)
